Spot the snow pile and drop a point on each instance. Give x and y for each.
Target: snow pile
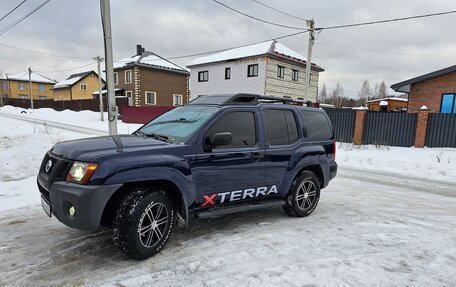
(67, 82)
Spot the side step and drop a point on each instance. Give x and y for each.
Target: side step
(239, 207)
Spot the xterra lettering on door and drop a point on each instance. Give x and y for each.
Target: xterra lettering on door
(231, 196)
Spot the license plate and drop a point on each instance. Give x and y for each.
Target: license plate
(46, 206)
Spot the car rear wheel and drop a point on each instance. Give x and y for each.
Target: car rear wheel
(143, 223)
(303, 196)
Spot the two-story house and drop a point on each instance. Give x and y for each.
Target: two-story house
(267, 68)
(17, 86)
(77, 86)
(150, 80)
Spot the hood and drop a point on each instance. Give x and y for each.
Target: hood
(87, 149)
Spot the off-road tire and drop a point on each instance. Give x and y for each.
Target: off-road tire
(133, 211)
(297, 202)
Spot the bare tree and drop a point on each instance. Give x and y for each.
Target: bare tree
(382, 91)
(365, 93)
(336, 95)
(323, 94)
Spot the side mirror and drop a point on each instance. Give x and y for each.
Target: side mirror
(219, 139)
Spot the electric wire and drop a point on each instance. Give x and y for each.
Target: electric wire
(14, 9)
(258, 19)
(69, 69)
(9, 27)
(280, 11)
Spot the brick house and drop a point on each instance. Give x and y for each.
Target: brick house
(77, 86)
(267, 68)
(17, 86)
(436, 91)
(147, 79)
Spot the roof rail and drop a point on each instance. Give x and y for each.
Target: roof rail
(243, 99)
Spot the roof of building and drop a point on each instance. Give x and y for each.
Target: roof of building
(73, 79)
(24, 76)
(388, 99)
(271, 48)
(149, 60)
(404, 86)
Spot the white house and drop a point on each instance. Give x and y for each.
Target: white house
(267, 68)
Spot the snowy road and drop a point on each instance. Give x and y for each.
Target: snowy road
(368, 229)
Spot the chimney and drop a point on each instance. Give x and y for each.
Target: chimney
(139, 50)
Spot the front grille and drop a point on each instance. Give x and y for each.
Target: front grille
(58, 171)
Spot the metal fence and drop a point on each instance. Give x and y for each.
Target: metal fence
(394, 129)
(441, 130)
(343, 122)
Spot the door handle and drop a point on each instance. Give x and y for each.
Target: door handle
(256, 156)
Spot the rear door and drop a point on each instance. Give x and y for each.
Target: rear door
(282, 137)
(224, 172)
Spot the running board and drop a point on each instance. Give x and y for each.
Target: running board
(235, 208)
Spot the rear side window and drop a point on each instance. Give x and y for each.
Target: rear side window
(281, 127)
(316, 125)
(241, 125)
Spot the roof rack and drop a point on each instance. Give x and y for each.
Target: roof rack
(243, 99)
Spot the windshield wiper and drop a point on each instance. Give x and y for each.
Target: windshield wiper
(180, 120)
(158, 137)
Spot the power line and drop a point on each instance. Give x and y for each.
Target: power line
(7, 14)
(24, 17)
(43, 53)
(277, 10)
(386, 21)
(258, 19)
(64, 70)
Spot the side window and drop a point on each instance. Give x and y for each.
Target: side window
(276, 127)
(316, 124)
(241, 125)
(292, 126)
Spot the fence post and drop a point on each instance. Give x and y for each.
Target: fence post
(421, 128)
(359, 127)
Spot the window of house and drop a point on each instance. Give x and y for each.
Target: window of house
(42, 97)
(42, 88)
(5, 86)
(116, 78)
(252, 70)
(83, 87)
(22, 86)
(448, 104)
(129, 94)
(294, 75)
(151, 98)
(203, 76)
(280, 72)
(281, 127)
(241, 125)
(177, 100)
(23, 97)
(127, 76)
(227, 73)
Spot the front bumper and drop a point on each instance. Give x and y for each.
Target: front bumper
(88, 201)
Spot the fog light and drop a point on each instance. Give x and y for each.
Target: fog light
(71, 211)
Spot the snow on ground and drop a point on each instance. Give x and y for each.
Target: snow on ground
(436, 163)
(388, 219)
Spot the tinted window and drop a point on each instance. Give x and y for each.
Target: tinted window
(316, 124)
(292, 127)
(241, 125)
(281, 127)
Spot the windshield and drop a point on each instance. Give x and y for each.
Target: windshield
(178, 124)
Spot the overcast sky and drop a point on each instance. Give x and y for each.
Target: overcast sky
(391, 52)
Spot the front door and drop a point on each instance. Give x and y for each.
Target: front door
(232, 172)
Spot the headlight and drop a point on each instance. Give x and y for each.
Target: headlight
(80, 172)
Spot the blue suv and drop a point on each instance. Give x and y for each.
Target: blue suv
(218, 154)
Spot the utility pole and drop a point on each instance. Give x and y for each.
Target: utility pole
(30, 87)
(310, 24)
(112, 108)
(100, 95)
